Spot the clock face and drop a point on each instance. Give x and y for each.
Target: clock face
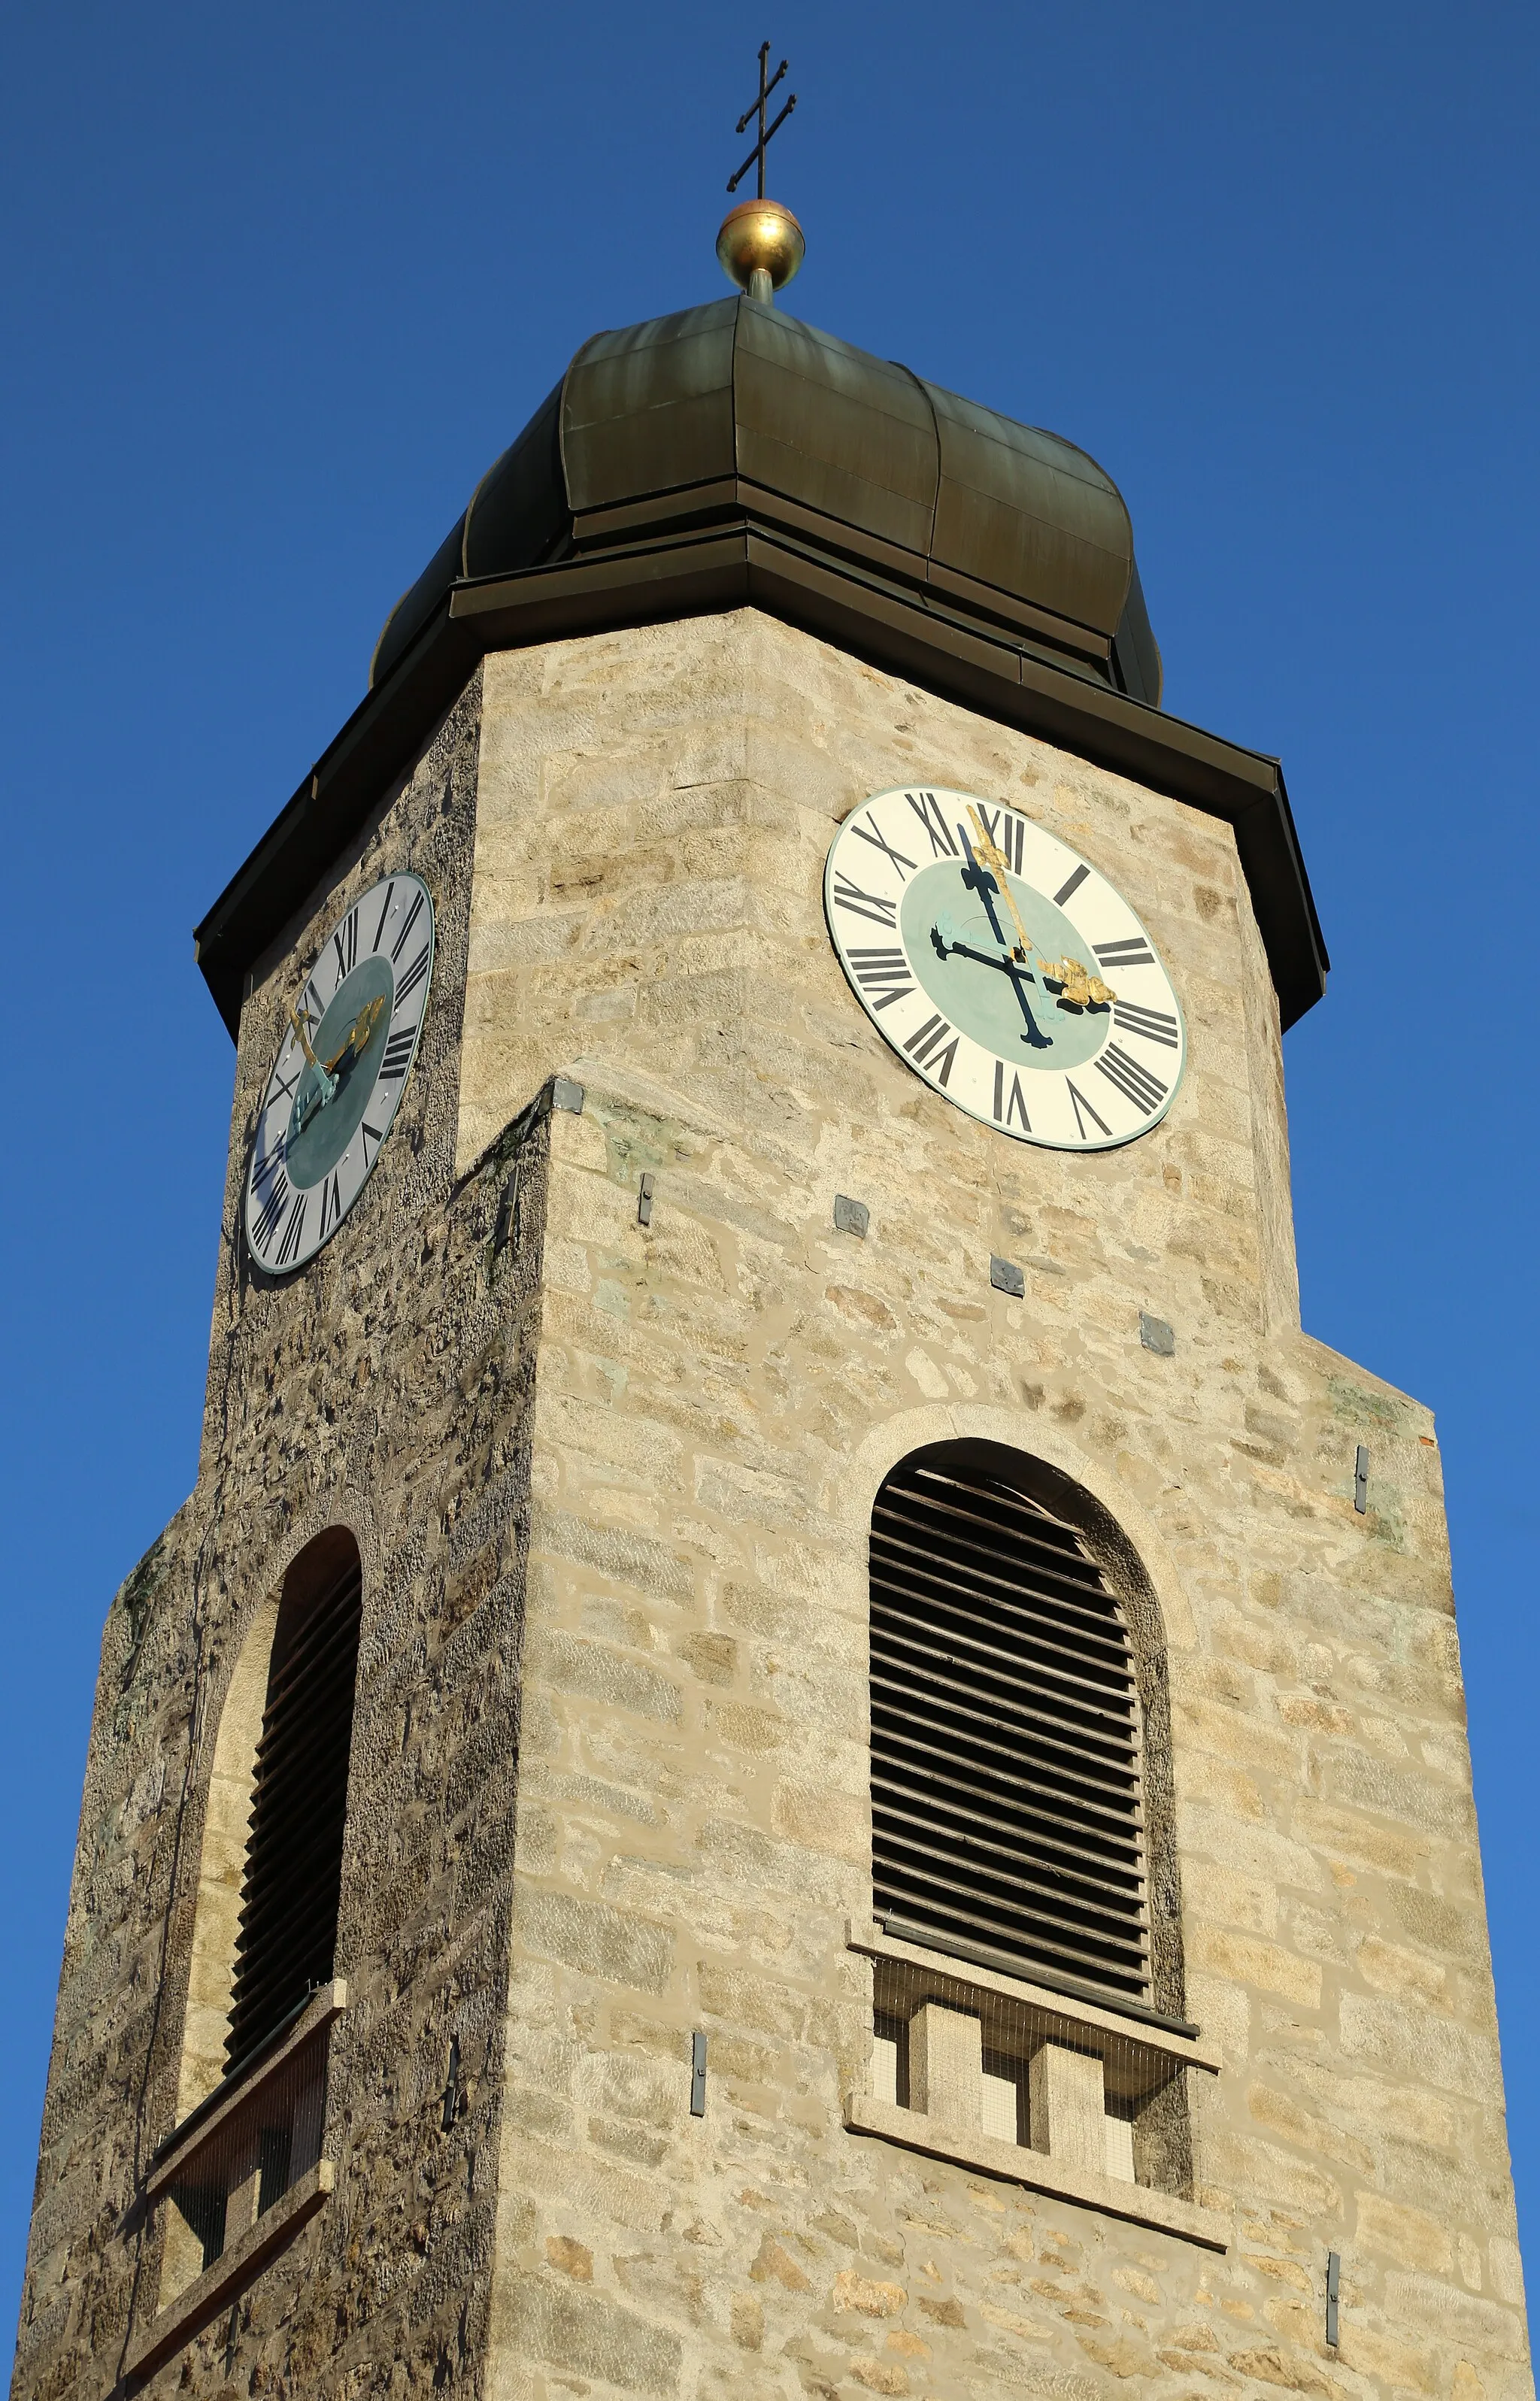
(341, 1071)
(1004, 969)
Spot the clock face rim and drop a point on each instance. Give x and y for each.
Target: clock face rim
(288, 1056)
(1090, 881)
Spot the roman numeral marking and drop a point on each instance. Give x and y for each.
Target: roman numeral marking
(412, 978)
(413, 914)
(385, 911)
(928, 812)
(268, 1164)
(1012, 1106)
(312, 1007)
(1068, 890)
(1134, 1082)
(288, 1249)
(1007, 832)
(398, 1056)
(280, 1090)
(924, 1047)
(1155, 1024)
(270, 1214)
(869, 832)
(345, 943)
(864, 904)
(1133, 952)
(884, 974)
(1083, 1109)
(370, 1134)
(331, 1204)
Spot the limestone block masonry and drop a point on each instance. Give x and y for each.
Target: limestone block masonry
(611, 1481)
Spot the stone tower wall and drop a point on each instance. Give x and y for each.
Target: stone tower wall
(612, 1482)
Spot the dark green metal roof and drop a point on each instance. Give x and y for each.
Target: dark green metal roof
(682, 420)
(731, 457)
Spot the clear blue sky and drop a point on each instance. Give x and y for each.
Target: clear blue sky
(278, 284)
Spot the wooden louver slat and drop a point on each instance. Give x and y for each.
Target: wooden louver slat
(293, 1855)
(1005, 1739)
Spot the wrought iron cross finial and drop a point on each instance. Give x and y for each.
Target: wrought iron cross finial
(766, 132)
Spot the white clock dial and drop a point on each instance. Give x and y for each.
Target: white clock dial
(1004, 968)
(339, 1078)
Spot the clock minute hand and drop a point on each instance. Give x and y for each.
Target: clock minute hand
(1080, 987)
(986, 848)
(327, 1083)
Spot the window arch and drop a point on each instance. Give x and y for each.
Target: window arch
(1007, 1735)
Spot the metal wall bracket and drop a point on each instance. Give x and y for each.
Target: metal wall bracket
(1334, 2278)
(1360, 1480)
(644, 1205)
(1005, 1277)
(851, 1216)
(697, 2076)
(1157, 1335)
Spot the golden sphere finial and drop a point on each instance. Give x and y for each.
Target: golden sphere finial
(760, 247)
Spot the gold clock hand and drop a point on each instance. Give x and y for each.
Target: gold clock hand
(1082, 989)
(985, 847)
(303, 1037)
(358, 1032)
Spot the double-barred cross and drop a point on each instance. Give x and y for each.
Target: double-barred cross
(766, 132)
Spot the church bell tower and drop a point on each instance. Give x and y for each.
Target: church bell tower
(795, 1742)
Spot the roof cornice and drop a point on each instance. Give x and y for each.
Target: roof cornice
(758, 560)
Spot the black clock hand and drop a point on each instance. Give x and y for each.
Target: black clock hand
(1007, 966)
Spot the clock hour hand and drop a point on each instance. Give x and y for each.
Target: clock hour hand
(1007, 964)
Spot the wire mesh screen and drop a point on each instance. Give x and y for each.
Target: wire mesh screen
(984, 2061)
(1005, 1742)
(253, 2155)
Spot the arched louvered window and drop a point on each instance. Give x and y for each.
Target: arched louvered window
(294, 1854)
(1006, 1822)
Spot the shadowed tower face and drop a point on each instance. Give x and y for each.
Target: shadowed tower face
(795, 1739)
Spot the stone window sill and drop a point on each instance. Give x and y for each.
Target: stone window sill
(171, 2327)
(1013, 2162)
(1064, 2095)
